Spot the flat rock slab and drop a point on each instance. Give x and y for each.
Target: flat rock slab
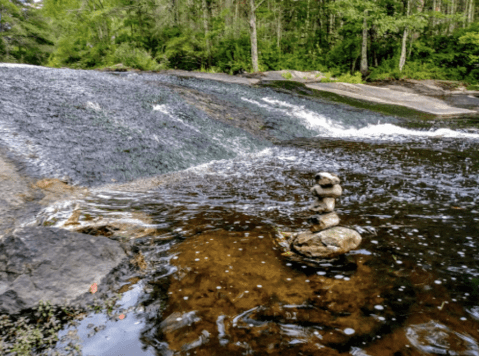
(49, 264)
(418, 98)
(221, 77)
(386, 95)
(327, 243)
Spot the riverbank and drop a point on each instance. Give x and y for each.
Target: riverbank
(426, 96)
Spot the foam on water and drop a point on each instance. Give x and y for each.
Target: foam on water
(18, 65)
(327, 127)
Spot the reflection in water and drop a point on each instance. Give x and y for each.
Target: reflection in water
(437, 339)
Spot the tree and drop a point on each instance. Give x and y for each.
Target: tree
(364, 11)
(24, 33)
(253, 34)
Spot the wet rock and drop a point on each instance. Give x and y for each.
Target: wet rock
(322, 222)
(326, 178)
(40, 263)
(324, 205)
(327, 243)
(333, 191)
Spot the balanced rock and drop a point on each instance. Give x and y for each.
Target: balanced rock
(322, 222)
(324, 205)
(49, 264)
(327, 243)
(333, 191)
(325, 178)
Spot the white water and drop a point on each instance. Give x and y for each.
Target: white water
(326, 127)
(17, 65)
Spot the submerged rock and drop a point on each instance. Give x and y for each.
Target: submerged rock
(327, 243)
(40, 263)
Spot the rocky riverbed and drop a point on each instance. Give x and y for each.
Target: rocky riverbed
(192, 179)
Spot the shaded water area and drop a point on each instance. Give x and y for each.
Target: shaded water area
(199, 176)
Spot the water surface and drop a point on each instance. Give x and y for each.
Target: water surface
(208, 198)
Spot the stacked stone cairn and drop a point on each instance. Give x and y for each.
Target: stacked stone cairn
(325, 239)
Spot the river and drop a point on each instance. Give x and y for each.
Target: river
(212, 171)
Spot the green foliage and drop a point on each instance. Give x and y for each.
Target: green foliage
(327, 78)
(287, 75)
(182, 50)
(134, 57)
(157, 34)
(36, 330)
(356, 78)
(233, 54)
(23, 335)
(24, 33)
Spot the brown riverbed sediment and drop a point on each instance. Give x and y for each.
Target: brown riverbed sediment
(234, 292)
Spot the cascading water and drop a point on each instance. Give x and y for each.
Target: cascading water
(214, 194)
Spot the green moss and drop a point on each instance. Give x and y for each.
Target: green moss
(287, 75)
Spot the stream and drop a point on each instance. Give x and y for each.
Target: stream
(208, 172)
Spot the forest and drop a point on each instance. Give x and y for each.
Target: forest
(356, 39)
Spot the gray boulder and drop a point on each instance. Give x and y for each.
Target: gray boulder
(327, 243)
(40, 263)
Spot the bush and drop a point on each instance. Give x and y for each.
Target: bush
(134, 57)
(328, 78)
(356, 78)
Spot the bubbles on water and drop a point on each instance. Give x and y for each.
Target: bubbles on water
(349, 331)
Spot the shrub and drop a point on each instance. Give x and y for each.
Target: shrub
(356, 78)
(134, 57)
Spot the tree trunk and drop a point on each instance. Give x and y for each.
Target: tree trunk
(307, 16)
(253, 36)
(235, 21)
(278, 27)
(402, 59)
(471, 12)
(228, 18)
(452, 11)
(205, 25)
(364, 46)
